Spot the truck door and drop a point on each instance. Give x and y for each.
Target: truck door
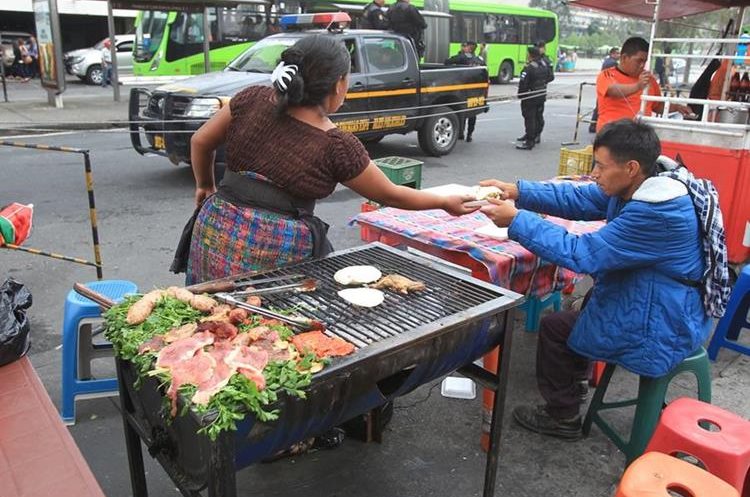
(393, 79)
(354, 116)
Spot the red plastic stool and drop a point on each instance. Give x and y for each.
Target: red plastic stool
(724, 453)
(658, 475)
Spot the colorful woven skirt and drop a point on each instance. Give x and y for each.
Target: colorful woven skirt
(229, 240)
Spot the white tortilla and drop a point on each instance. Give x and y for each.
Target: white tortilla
(363, 297)
(483, 192)
(357, 275)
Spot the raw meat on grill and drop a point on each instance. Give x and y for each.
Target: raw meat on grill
(184, 349)
(184, 331)
(222, 330)
(219, 377)
(400, 284)
(249, 362)
(237, 316)
(155, 344)
(253, 300)
(194, 370)
(321, 345)
(203, 303)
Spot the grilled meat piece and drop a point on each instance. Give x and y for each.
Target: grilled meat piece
(141, 310)
(400, 284)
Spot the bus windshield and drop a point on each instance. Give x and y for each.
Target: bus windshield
(149, 33)
(261, 57)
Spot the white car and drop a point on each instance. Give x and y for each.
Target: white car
(86, 63)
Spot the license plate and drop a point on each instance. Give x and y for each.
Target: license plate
(158, 142)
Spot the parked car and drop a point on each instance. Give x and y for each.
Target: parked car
(6, 45)
(389, 93)
(86, 63)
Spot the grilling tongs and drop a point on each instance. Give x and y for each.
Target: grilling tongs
(300, 322)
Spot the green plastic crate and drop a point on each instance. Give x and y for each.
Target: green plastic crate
(402, 170)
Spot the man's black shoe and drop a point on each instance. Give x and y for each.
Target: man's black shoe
(468, 138)
(524, 146)
(521, 138)
(538, 139)
(537, 419)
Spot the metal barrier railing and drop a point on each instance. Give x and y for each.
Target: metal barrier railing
(92, 207)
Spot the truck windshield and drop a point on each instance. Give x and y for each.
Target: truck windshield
(261, 57)
(149, 33)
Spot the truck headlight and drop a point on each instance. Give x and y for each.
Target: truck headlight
(76, 60)
(203, 107)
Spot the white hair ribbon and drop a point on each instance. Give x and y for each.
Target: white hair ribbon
(282, 75)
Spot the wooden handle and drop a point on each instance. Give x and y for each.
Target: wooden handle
(97, 297)
(212, 287)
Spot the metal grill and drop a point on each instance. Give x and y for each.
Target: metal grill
(444, 296)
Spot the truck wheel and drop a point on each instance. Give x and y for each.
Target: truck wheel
(439, 133)
(505, 73)
(94, 74)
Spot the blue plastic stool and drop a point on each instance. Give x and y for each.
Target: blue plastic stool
(77, 348)
(728, 330)
(534, 306)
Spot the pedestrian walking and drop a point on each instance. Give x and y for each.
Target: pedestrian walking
(466, 57)
(532, 90)
(374, 17)
(19, 69)
(106, 63)
(609, 61)
(405, 19)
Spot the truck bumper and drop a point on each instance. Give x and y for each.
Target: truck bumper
(153, 128)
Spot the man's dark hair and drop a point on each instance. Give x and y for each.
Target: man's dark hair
(534, 53)
(540, 44)
(629, 140)
(634, 45)
(614, 50)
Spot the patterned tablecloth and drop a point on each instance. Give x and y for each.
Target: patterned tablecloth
(508, 263)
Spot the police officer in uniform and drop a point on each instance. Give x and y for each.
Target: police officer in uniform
(547, 62)
(466, 57)
(406, 20)
(532, 90)
(373, 16)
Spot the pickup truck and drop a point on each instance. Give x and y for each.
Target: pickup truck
(389, 92)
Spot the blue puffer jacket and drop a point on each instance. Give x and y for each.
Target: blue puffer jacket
(638, 316)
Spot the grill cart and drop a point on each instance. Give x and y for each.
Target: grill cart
(399, 345)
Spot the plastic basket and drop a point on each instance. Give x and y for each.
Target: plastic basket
(402, 170)
(576, 162)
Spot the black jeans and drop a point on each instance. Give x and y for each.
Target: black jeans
(558, 368)
(530, 113)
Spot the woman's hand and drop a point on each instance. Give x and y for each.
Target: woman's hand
(510, 190)
(202, 194)
(500, 212)
(455, 205)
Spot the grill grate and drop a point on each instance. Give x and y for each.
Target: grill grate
(445, 295)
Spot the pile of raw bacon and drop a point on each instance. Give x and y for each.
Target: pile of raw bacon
(220, 360)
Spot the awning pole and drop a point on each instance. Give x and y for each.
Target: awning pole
(650, 51)
(728, 75)
(113, 52)
(206, 43)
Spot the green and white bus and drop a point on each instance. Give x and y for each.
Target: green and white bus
(507, 30)
(171, 43)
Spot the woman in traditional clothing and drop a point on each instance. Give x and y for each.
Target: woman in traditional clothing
(282, 154)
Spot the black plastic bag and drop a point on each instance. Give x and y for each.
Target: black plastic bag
(14, 326)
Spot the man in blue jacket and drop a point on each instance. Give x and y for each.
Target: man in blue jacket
(645, 312)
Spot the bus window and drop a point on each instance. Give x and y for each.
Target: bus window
(470, 28)
(149, 33)
(263, 56)
(507, 30)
